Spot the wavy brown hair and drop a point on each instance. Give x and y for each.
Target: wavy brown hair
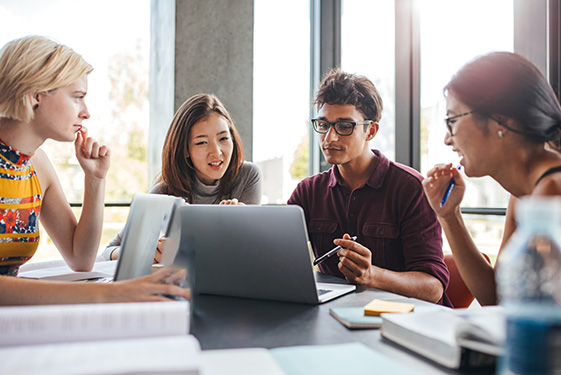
(340, 88)
(178, 172)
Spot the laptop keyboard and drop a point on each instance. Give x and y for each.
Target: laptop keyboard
(100, 280)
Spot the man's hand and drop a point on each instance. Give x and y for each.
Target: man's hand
(355, 261)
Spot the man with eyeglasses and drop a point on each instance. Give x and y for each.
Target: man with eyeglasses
(399, 241)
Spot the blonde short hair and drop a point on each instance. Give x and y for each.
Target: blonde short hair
(35, 64)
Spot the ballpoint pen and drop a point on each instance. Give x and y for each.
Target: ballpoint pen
(449, 189)
(330, 253)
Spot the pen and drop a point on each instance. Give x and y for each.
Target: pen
(449, 189)
(330, 253)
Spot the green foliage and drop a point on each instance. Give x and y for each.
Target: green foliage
(128, 74)
(299, 168)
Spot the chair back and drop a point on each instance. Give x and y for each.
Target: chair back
(457, 291)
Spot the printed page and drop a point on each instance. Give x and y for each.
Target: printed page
(483, 330)
(156, 355)
(23, 325)
(64, 273)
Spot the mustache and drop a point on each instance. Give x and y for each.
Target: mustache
(330, 145)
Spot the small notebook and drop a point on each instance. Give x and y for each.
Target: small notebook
(354, 318)
(378, 306)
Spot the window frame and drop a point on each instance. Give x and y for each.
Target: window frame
(539, 44)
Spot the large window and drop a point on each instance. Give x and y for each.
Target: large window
(453, 33)
(281, 95)
(368, 49)
(113, 36)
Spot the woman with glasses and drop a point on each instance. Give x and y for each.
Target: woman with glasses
(43, 86)
(504, 121)
(203, 161)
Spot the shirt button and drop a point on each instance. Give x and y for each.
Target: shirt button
(380, 231)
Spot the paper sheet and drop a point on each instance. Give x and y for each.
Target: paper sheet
(55, 271)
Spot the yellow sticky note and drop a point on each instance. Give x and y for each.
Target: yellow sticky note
(377, 307)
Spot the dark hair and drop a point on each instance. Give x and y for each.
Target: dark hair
(342, 88)
(178, 171)
(505, 84)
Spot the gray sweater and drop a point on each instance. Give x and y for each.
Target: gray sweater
(246, 188)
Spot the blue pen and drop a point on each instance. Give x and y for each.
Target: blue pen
(449, 189)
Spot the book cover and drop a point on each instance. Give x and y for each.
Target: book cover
(354, 318)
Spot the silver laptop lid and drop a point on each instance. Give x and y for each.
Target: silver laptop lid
(148, 219)
(247, 251)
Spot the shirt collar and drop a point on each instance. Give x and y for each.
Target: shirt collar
(375, 181)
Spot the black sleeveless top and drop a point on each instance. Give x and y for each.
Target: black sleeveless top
(548, 172)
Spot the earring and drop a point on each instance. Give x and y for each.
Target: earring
(35, 106)
(501, 134)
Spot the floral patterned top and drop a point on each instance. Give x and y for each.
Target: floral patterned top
(20, 205)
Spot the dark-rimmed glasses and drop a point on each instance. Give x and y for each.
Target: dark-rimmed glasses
(450, 120)
(341, 127)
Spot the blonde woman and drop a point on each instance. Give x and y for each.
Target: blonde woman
(43, 86)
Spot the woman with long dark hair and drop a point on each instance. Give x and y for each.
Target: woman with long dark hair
(203, 161)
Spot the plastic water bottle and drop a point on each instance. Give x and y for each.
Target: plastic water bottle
(529, 287)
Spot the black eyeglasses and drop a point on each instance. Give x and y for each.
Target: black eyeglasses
(341, 127)
(450, 120)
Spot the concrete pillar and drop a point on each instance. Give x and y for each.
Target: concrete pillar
(208, 45)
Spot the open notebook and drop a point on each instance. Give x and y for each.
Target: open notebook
(251, 251)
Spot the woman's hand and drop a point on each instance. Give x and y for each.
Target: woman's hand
(435, 186)
(93, 157)
(154, 287)
(159, 250)
(232, 201)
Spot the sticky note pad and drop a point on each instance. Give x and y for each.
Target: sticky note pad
(377, 307)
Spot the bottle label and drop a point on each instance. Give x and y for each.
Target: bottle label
(533, 346)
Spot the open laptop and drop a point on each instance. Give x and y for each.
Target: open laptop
(148, 220)
(149, 217)
(256, 252)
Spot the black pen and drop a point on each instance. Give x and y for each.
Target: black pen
(330, 253)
